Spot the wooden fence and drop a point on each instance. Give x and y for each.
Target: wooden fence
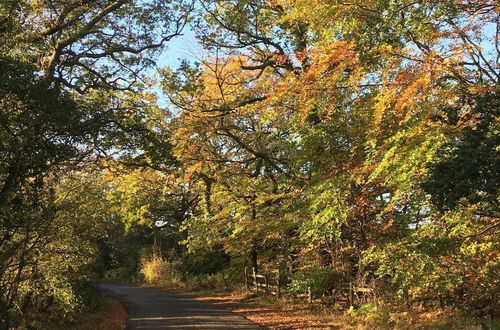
(263, 283)
(271, 284)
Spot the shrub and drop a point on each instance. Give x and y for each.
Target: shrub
(321, 281)
(158, 271)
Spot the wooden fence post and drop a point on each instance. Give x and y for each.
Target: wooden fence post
(255, 280)
(246, 279)
(267, 284)
(351, 295)
(278, 286)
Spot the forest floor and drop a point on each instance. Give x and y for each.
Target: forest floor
(115, 315)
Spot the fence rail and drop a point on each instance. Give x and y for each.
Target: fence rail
(264, 283)
(271, 284)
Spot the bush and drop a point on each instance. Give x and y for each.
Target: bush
(206, 262)
(321, 281)
(158, 271)
(445, 266)
(217, 281)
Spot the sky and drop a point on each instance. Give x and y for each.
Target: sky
(182, 47)
(179, 48)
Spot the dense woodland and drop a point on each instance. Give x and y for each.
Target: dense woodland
(329, 142)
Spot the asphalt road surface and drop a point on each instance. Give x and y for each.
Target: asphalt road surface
(155, 309)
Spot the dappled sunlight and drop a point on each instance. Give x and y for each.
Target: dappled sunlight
(301, 163)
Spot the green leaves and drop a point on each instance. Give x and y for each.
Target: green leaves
(467, 166)
(329, 211)
(442, 259)
(317, 137)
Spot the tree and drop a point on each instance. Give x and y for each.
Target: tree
(94, 44)
(50, 49)
(340, 113)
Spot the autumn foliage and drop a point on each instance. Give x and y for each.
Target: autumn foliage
(332, 144)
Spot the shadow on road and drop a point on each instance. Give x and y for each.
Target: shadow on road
(155, 309)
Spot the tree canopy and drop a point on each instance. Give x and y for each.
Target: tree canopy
(354, 142)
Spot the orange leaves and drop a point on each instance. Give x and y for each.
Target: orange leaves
(332, 72)
(223, 78)
(190, 171)
(412, 89)
(403, 95)
(331, 62)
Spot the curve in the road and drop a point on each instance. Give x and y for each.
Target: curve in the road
(155, 309)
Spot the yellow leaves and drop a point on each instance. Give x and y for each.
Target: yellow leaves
(224, 79)
(480, 89)
(383, 101)
(192, 170)
(402, 160)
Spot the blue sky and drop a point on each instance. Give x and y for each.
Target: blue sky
(179, 48)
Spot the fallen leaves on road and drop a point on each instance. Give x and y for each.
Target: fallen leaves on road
(115, 316)
(272, 314)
